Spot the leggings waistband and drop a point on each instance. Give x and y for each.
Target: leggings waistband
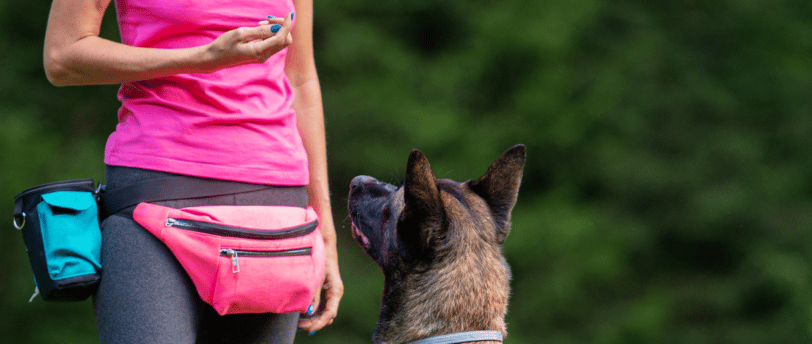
(119, 176)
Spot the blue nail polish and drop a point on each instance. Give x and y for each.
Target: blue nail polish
(291, 15)
(275, 28)
(309, 310)
(311, 333)
(271, 17)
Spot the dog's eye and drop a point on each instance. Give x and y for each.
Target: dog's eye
(386, 214)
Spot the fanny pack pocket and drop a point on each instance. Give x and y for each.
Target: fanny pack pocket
(244, 259)
(60, 227)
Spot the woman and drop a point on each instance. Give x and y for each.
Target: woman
(207, 92)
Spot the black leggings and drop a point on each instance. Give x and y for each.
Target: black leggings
(145, 295)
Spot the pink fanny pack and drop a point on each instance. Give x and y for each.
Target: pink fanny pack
(244, 259)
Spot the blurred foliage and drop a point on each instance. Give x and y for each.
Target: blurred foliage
(667, 196)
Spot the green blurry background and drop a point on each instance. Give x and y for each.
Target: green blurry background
(667, 196)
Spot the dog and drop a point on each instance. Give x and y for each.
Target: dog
(439, 245)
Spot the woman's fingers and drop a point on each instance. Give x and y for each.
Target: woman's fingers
(249, 44)
(247, 34)
(333, 290)
(272, 20)
(279, 39)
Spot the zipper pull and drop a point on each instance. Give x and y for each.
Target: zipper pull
(235, 266)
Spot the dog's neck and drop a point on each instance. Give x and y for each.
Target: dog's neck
(447, 300)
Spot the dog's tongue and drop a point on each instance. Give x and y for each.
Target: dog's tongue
(363, 240)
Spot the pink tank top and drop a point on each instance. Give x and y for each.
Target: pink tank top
(235, 124)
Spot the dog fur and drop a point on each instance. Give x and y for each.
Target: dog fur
(439, 245)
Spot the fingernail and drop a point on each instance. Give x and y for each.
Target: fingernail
(311, 333)
(299, 328)
(275, 28)
(291, 15)
(271, 17)
(309, 310)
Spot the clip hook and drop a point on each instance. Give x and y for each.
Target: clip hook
(99, 189)
(20, 225)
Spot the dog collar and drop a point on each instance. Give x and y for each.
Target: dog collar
(462, 337)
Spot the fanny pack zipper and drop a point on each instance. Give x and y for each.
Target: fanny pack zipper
(231, 231)
(235, 266)
(240, 232)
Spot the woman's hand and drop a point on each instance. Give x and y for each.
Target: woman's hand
(248, 44)
(326, 302)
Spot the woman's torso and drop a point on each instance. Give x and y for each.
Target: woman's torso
(236, 124)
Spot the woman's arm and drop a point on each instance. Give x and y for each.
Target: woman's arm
(301, 71)
(74, 53)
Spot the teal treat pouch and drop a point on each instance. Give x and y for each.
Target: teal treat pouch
(60, 227)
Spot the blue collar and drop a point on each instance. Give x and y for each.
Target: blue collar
(462, 337)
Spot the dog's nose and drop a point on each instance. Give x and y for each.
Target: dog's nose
(369, 186)
(360, 180)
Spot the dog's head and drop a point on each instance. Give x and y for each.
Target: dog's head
(428, 233)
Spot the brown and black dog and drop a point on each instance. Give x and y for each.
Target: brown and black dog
(439, 245)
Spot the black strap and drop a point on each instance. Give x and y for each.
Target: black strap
(170, 188)
(18, 208)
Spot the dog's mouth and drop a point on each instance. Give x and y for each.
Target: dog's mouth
(360, 238)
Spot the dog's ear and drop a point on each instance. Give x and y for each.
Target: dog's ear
(499, 187)
(423, 217)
